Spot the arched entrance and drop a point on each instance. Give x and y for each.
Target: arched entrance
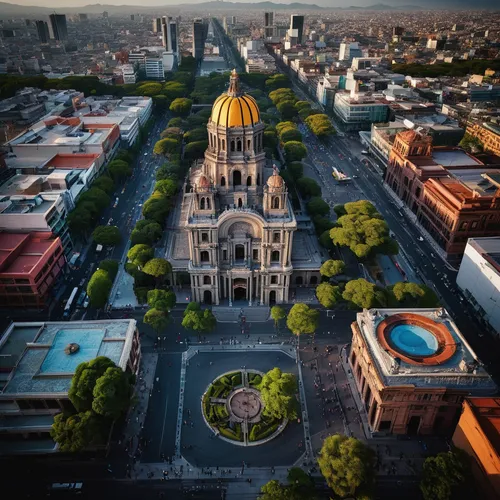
(207, 297)
(240, 289)
(272, 297)
(236, 178)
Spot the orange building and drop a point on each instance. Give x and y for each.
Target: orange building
(488, 134)
(29, 266)
(478, 434)
(453, 195)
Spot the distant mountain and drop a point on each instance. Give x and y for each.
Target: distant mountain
(381, 6)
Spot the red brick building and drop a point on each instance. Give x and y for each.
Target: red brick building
(29, 266)
(453, 195)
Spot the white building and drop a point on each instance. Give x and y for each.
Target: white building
(129, 73)
(479, 278)
(154, 68)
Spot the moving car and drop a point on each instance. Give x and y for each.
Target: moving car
(116, 202)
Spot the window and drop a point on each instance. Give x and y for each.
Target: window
(207, 280)
(276, 202)
(255, 255)
(313, 280)
(222, 181)
(276, 237)
(248, 144)
(208, 203)
(232, 145)
(202, 204)
(274, 280)
(258, 179)
(238, 145)
(223, 144)
(463, 226)
(275, 256)
(204, 237)
(474, 224)
(240, 203)
(224, 254)
(249, 180)
(204, 256)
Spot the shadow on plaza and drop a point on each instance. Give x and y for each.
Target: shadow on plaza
(209, 450)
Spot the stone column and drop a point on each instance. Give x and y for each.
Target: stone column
(262, 281)
(251, 289)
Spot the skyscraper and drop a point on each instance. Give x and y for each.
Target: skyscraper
(173, 36)
(199, 33)
(42, 29)
(165, 33)
(58, 25)
(268, 18)
(297, 23)
(157, 25)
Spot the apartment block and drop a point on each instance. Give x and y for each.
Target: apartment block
(488, 134)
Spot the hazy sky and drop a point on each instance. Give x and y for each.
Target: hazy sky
(325, 3)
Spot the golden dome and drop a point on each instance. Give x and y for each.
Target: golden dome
(275, 181)
(234, 108)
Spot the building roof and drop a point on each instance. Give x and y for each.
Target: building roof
(235, 109)
(458, 369)
(70, 161)
(454, 158)
(488, 248)
(36, 352)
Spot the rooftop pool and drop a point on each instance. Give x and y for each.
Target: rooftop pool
(413, 340)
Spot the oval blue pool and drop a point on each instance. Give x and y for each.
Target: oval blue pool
(415, 340)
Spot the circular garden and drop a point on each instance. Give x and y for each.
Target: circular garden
(234, 406)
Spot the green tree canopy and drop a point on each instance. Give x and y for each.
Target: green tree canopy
(317, 206)
(156, 208)
(140, 254)
(145, 232)
(197, 134)
(347, 464)
(172, 132)
(105, 183)
(149, 89)
(167, 187)
(198, 320)
(181, 106)
(172, 90)
(277, 313)
(192, 306)
(176, 122)
(296, 169)
(168, 170)
(195, 149)
(96, 196)
(160, 102)
(322, 224)
(294, 151)
(112, 393)
(302, 105)
(73, 433)
(119, 169)
(320, 125)
(308, 187)
(80, 220)
(363, 294)
(286, 109)
(107, 235)
(98, 288)
(277, 81)
(277, 391)
(281, 95)
(328, 295)
(110, 266)
(325, 241)
(166, 146)
(81, 391)
(332, 268)
(443, 474)
(157, 267)
(158, 320)
(290, 134)
(407, 294)
(281, 126)
(162, 300)
(302, 319)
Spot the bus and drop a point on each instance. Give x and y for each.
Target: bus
(69, 304)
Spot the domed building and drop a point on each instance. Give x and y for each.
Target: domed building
(236, 225)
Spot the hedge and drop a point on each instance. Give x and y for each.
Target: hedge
(236, 379)
(257, 432)
(256, 380)
(229, 433)
(221, 411)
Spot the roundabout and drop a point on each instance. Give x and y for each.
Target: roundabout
(233, 408)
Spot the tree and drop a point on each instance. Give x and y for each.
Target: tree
(302, 105)
(317, 206)
(328, 295)
(347, 464)
(162, 300)
(281, 95)
(110, 266)
(107, 235)
(118, 169)
(181, 106)
(332, 268)
(112, 393)
(169, 170)
(160, 102)
(98, 288)
(145, 232)
(277, 81)
(140, 254)
(294, 151)
(308, 187)
(156, 208)
(157, 267)
(443, 474)
(173, 90)
(166, 146)
(96, 196)
(198, 320)
(277, 313)
(195, 149)
(172, 132)
(286, 109)
(176, 122)
(81, 390)
(149, 89)
(158, 320)
(167, 187)
(471, 144)
(80, 220)
(195, 135)
(277, 391)
(105, 183)
(325, 241)
(73, 433)
(302, 319)
(363, 294)
(320, 125)
(290, 134)
(296, 169)
(281, 126)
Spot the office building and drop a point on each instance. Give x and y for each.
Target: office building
(349, 50)
(478, 434)
(157, 22)
(154, 68)
(42, 29)
(199, 35)
(174, 37)
(479, 279)
(29, 266)
(268, 18)
(58, 26)
(452, 194)
(37, 369)
(297, 26)
(414, 386)
(129, 74)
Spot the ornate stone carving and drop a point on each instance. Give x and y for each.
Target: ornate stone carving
(240, 229)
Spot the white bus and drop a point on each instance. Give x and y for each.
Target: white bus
(69, 304)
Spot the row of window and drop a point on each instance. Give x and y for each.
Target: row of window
(237, 144)
(207, 280)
